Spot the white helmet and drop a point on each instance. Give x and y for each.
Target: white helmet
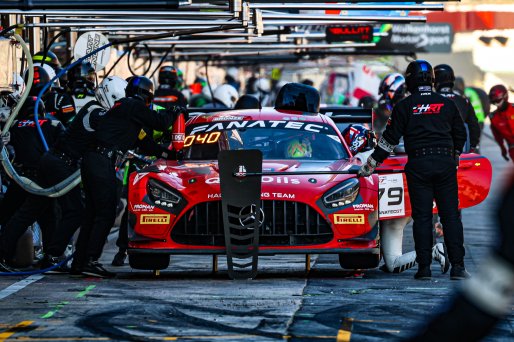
(110, 90)
(233, 72)
(227, 95)
(263, 85)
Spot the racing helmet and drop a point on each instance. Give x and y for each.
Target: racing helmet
(444, 76)
(50, 59)
(419, 73)
(226, 94)
(83, 77)
(247, 102)
(356, 137)
(110, 90)
(41, 78)
(498, 95)
(368, 102)
(299, 97)
(393, 87)
(297, 148)
(168, 75)
(140, 87)
(387, 81)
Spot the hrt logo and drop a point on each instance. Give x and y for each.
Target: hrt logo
(431, 108)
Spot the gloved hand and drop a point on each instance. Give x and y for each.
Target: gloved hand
(368, 168)
(176, 110)
(6, 138)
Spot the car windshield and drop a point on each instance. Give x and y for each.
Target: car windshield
(276, 139)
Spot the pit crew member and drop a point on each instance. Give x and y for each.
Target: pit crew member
(119, 130)
(444, 82)
(502, 120)
(434, 136)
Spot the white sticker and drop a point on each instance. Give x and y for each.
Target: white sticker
(89, 42)
(138, 177)
(391, 195)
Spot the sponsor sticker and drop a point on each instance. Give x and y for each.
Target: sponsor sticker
(138, 177)
(154, 219)
(348, 218)
(391, 196)
(363, 206)
(143, 207)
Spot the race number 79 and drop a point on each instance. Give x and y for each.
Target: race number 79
(391, 195)
(394, 195)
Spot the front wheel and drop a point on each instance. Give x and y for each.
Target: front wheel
(149, 261)
(358, 261)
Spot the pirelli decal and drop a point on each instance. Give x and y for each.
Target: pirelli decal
(154, 219)
(348, 218)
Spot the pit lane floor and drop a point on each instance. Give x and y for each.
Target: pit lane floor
(189, 303)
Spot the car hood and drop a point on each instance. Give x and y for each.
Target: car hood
(196, 177)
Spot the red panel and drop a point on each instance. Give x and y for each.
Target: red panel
(470, 21)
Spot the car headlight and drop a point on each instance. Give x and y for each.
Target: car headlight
(161, 194)
(343, 194)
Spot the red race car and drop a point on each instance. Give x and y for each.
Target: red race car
(175, 206)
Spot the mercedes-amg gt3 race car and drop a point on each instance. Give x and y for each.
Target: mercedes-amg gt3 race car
(175, 206)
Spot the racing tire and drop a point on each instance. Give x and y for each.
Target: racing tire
(149, 261)
(358, 261)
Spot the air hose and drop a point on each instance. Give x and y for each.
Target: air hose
(73, 180)
(24, 273)
(25, 183)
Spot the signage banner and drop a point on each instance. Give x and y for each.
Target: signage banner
(417, 38)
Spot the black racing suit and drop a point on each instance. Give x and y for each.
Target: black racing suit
(29, 149)
(434, 134)
(60, 105)
(119, 130)
(60, 163)
(166, 96)
(468, 115)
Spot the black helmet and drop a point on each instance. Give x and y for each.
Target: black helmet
(498, 95)
(50, 59)
(140, 87)
(83, 75)
(368, 102)
(27, 110)
(444, 76)
(168, 75)
(297, 96)
(419, 73)
(41, 78)
(247, 102)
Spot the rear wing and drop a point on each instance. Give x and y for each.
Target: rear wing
(349, 114)
(344, 116)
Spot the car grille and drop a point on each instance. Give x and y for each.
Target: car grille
(285, 224)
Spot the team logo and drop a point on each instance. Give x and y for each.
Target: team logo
(241, 171)
(154, 219)
(349, 219)
(431, 108)
(249, 215)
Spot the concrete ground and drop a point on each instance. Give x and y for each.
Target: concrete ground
(189, 303)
